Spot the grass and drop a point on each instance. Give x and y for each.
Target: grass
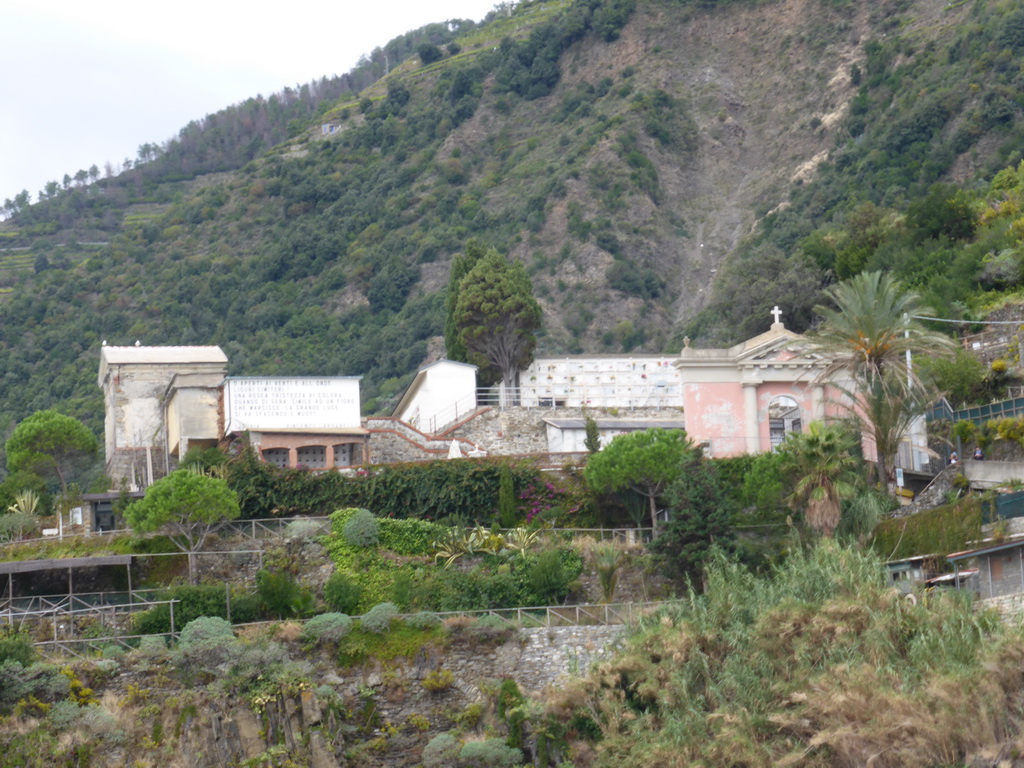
(400, 642)
(86, 546)
(816, 664)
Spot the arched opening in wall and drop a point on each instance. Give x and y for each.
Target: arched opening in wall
(343, 455)
(312, 456)
(278, 457)
(783, 418)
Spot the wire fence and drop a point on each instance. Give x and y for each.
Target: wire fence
(586, 615)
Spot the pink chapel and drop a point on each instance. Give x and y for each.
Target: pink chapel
(748, 397)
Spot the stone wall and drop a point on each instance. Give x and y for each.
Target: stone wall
(1011, 607)
(535, 658)
(496, 432)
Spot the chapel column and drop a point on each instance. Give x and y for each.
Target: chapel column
(818, 403)
(293, 457)
(750, 418)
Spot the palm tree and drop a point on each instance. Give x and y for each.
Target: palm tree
(867, 338)
(823, 465)
(873, 326)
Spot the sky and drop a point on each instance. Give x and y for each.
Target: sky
(89, 82)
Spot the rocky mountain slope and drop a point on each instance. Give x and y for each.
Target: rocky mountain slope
(623, 152)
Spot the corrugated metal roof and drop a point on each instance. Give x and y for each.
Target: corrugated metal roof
(1012, 544)
(60, 563)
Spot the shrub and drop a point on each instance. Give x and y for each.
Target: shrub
(491, 753)
(362, 529)
(16, 646)
(423, 620)
(438, 680)
(302, 530)
(327, 626)
(378, 619)
(441, 751)
(194, 601)
(204, 630)
(152, 646)
(547, 577)
(64, 715)
(342, 593)
(280, 595)
(409, 536)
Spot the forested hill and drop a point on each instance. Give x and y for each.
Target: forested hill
(627, 152)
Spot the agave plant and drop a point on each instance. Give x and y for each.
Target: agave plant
(607, 561)
(521, 540)
(25, 502)
(457, 542)
(451, 546)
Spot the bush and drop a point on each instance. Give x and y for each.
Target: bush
(423, 620)
(64, 715)
(327, 626)
(281, 596)
(342, 593)
(438, 680)
(16, 646)
(193, 602)
(547, 577)
(302, 530)
(441, 751)
(362, 529)
(491, 753)
(204, 630)
(152, 647)
(378, 619)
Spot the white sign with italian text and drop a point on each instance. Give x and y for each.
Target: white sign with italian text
(291, 403)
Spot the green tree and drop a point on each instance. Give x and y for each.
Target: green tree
(822, 464)
(497, 316)
(187, 504)
(50, 444)
(592, 440)
(701, 516)
(872, 327)
(461, 265)
(644, 462)
(867, 337)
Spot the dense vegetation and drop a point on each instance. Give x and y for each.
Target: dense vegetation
(819, 664)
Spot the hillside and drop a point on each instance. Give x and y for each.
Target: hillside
(623, 152)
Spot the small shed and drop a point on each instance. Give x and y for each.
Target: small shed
(99, 515)
(906, 573)
(1000, 567)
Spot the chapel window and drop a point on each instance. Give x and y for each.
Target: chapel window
(783, 418)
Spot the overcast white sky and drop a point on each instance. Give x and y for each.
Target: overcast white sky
(88, 81)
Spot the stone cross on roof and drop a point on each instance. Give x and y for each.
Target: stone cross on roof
(777, 314)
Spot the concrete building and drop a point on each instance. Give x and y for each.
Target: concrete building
(144, 411)
(440, 394)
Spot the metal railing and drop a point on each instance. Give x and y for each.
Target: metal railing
(78, 600)
(264, 528)
(460, 408)
(585, 615)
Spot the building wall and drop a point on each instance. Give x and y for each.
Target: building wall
(716, 414)
(1000, 573)
(447, 393)
(601, 381)
(192, 414)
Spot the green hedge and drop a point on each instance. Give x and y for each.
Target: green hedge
(940, 531)
(466, 490)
